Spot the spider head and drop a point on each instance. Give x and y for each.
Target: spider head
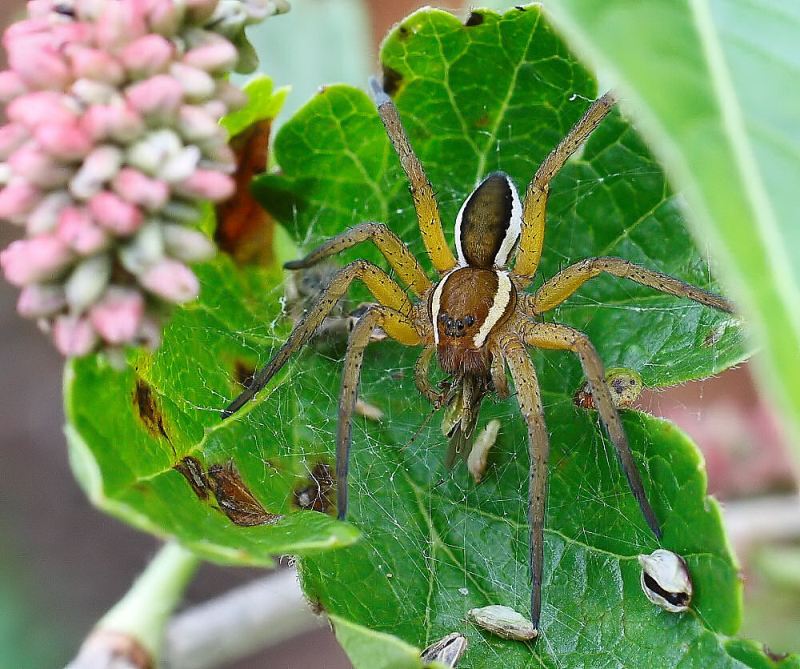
(466, 307)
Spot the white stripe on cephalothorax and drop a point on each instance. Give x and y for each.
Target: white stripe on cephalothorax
(501, 299)
(436, 303)
(513, 230)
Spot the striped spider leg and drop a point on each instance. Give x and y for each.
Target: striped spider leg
(475, 319)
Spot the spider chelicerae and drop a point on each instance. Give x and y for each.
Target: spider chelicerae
(476, 317)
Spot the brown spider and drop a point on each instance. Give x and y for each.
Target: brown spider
(476, 317)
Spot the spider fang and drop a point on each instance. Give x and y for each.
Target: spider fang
(666, 581)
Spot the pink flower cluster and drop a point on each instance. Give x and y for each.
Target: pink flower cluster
(112, 145)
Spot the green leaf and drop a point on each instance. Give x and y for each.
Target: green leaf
(714, 83)
(497, 94)
(368, 649)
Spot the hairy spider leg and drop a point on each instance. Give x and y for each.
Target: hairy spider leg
(389, 244)
(498, 374)
(382, 287)
(563, 337)
(396, 326)
(535, 203)
(567, 281)
(422, 380)
(428, 217)
(530, 404)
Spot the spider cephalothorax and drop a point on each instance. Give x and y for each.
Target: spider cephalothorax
(476, 317)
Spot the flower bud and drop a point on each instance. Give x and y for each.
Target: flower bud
(151, 152)
(181, 165)
(17, 199)
(141, 190)
(89, 63)
(145, 249)
(37, 259)
(11, 86)
(34, 109)
(195, 125)
(12, 136)
(116, 121)
(38, 168)
(118, 24)
(38, 64)
(158, 97)
(196, 84)
(73, 336)
(147, 56)
(186, 244)
(87, 282)
(100, 166)
(207, 185)
(114, 214)
(91, 92)
(64, 141)
(171, 281)
(45, 215)
(117, 317)
(38, 300)
(78, 230)
(199, 11)
(165, 16)
(216, 56)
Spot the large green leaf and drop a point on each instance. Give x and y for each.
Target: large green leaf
(715, 81)
(496, 94)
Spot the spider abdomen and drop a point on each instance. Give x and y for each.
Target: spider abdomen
(466, 307)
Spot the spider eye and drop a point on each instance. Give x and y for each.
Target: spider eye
(460, 324)
(469, 321)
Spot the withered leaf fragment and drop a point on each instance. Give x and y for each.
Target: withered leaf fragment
(235, 499)
(192, 471)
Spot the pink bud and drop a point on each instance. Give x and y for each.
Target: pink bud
(12, 136)
(117, 317)
(207, 185)
(118, 122)
(158, 96)
(119, 24)
(36, 259)
(114, 214)
(73, 336)
(217, 56)
(199, 11)
(44, 217)
(223, 157)
(171, 280)
(34, 109)
(17, 199)
(147, 56)
(38, 168)
(187, 244)
(39, 300)
(64, 141)
(141, 190)
(88, 63)
(39, 64)
(11, 86)
(197, 126)
(77, 229)
(23, 30)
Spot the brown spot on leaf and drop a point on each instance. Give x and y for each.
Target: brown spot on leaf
(192, 471)
(772, 655)
(244, 229)
(243, 372)
(474, 19)
(482, 122)
(315, 494)
(145, 402)
(235, 499)
(403, 33)
(392, 80)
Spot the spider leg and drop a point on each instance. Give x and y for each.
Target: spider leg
(568, 280)
(530, 404)
(389, 244)
(535, 203)
(423, 383)
(397, 326)
(430, 222)
(498, 374)
(386, 291)
(562, 337)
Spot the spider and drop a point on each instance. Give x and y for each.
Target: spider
(476, 318)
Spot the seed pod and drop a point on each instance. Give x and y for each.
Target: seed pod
(666, 581)
(503, 621)
(447, 651)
